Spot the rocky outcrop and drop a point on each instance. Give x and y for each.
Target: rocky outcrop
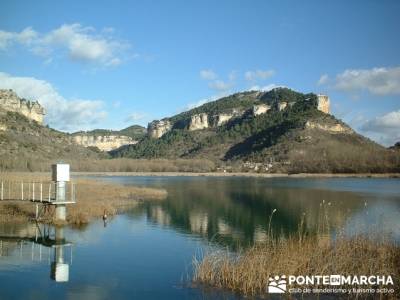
(260, 109)
(323, 103)
(282, 105)
(333, 128)
(199, 121)
(223, 117)
(10, 101)
(158, 128)
(104, 143)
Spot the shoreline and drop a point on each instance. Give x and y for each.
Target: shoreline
(241, 174)
(220, 174)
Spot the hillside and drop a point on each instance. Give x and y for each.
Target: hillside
(107, 140)
(292, 134)
(135, 132)
(27, 145)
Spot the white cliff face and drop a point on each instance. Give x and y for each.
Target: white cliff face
(10, 101)
(282, 105)
(336, 128)
(104, 142)
(222, 119)
(323, 103)
(157, 129)
(260, 109)
(199, 121)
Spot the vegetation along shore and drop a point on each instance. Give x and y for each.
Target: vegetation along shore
(94, 198)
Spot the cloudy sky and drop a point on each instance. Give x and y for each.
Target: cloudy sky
(111, 64)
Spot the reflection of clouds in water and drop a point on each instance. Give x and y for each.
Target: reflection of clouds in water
(380, 217)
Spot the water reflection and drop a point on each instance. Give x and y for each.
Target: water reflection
(32, 242)
(236, 211)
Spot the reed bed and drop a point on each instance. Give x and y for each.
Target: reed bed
(247, 271)
(94, 199)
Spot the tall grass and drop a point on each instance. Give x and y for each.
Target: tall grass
(247, 271)
(94, 198)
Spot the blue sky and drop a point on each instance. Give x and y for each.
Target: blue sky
(111, 64)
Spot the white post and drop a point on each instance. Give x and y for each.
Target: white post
(33, 191)
(41, 192)
(2, 191)
(22, 190)
(49, 190)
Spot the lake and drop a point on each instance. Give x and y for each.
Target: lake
(147, 252)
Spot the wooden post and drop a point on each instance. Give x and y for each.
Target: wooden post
(2, 190)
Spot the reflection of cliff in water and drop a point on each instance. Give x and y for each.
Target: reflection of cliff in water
(239, 209)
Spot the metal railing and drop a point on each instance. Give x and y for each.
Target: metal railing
(35, 191)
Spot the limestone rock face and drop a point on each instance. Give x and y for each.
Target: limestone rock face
(10, 101)
(158, 128)
(282, 105)
(260, 109)
(199, 121)
(323, 103)
(336, 128)
(105, 142)
(3, 127)
(224, 117)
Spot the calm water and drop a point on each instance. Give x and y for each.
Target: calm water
(147, 252)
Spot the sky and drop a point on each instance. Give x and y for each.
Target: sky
(112, 64)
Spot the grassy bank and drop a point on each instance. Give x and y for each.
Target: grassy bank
(94, 198)
(35, 164)
(248, 271)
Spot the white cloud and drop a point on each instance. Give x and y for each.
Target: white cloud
(136, 116)
(323, 79)
(205, 100)
(220, 85)
(208, 74)
(79, 43)
(217, 84)
(265, 88)
(258, 75)
(379, 81)
(385, 129)
(63, 114)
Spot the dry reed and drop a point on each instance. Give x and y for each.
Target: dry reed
(248, 271)
(94, 198)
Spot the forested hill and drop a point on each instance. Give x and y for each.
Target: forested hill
(291, 135)
(136, 132)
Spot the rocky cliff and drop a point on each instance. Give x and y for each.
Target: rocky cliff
(158, 128)
(199, 121)
(260, 109)
(104, 143)
(323, 103)
(331, 128)
(9, 101)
